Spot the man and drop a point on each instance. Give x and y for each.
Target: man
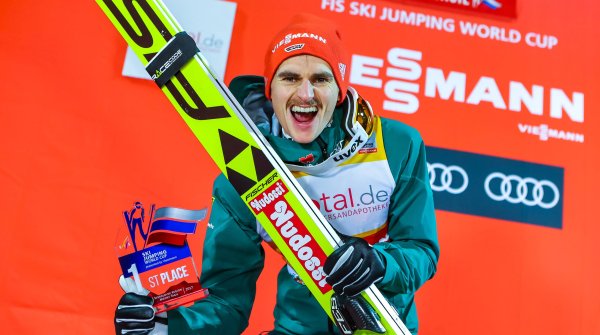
(368, 176)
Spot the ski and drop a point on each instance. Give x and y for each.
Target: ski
(238, 148)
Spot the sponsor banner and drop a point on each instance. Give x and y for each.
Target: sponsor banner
(413, 81)
(496, 187)
(209, 23)
(502, 8)
(74, 176)
(406, 80)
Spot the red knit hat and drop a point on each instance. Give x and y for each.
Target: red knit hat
(308, 34)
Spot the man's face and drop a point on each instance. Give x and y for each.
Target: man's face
(304, 95)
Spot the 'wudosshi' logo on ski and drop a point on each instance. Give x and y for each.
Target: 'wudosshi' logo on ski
(295, 234)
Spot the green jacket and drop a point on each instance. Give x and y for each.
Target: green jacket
(233, 256)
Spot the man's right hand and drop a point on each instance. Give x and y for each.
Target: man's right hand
(134, 315)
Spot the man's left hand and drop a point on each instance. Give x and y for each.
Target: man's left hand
(353, 267)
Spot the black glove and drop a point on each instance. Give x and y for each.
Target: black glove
(353, 267)
(134, 315)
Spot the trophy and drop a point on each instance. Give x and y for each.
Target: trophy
(155, 257)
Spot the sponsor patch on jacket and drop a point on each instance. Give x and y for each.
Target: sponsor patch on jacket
(369, 147)
(307, 159)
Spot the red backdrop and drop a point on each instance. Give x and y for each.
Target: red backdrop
(79, 143)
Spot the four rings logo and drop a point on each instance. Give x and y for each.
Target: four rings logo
(495, 187)
(528, 191)
(498, 186)
(447, 176)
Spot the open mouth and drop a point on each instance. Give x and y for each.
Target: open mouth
(304, 114)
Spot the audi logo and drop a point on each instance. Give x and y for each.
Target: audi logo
(447, 177)
(529, 191)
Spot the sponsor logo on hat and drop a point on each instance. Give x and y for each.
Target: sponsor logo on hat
(294, 47)
(289, 37)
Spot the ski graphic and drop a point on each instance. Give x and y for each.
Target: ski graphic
(239, 149)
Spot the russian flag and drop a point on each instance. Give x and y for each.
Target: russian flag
(171, 225)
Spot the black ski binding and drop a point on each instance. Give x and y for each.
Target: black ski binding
(352, 314)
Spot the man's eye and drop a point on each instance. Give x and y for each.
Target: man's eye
(322, 80)
(290, 79)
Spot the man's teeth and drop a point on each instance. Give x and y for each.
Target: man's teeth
(298, 109)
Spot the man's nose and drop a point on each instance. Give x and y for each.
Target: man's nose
(306, 91)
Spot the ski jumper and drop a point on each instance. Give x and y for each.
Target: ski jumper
(379, 192)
